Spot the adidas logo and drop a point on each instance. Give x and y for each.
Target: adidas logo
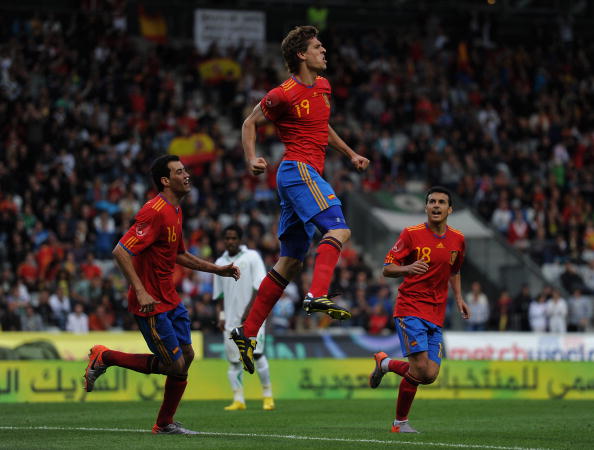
(440, 245)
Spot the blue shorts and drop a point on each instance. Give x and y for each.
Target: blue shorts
(303, 194)
(165, 332)
(419, 335)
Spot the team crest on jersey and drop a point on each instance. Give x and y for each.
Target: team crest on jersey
(140, 229)
(453, 256)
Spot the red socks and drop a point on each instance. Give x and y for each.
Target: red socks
(399, 367)
(143, 363)
(406, 395)
(269, 292)
(174, 390)
(174, 386)
(326, 260)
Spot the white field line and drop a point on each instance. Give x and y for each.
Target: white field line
(276, 436)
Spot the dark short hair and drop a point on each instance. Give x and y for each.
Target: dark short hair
(441, 190)
(296, 42)
(234, 227)
(160, 169)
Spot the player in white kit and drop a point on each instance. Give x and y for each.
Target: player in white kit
(233, 299)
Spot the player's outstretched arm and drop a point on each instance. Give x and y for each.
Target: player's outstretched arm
(456, 283)
(193, 262)
(124, 260)
(335, 141)
(256, 164)
(395, 271)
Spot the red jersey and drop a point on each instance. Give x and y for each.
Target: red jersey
(425, 295)
(154, 241)
(301, 114)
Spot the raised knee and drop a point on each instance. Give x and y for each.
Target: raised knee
(427, 379)
(342, 234)
(424, 374)
(347, 234)
(189, 356)
(177, 369)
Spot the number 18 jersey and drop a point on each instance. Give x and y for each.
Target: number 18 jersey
(425, 295)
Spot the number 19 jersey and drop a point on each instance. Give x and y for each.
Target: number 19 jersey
(300, 114)
(425, 295)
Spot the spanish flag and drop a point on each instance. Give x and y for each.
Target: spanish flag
(152, 25)
(194, 151)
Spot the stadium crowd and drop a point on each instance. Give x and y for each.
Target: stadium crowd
(86, 107)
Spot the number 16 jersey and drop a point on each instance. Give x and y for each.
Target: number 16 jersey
(425, 295)
(154, 241)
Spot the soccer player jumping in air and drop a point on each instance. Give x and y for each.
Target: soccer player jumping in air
(428, 256)
(300, 109)
(147, 255)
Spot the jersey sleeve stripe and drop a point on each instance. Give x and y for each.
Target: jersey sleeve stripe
(456, 231)
(314, 189)
(289, 84)
(131, 242)
(127, 249)
(416, 227)
(159, 207)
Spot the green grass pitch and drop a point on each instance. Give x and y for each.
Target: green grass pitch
(494, 424)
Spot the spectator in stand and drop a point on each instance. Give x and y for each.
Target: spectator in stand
(502, 216)
(571, 280)
(479, 308)
(203, 315)
(78, 321)
(101, 319)
(504, 308)
(581, 312)
(61, 307)
(31, 320)
(11, 319)
(44, 309)
(520, 310)
(378, 319)
(557, 313)
(89, 268)
(282, 314)
(518, 233)
(28, 270)
(537, 314)
(588, 272)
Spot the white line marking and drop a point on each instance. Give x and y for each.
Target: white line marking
(278, 436)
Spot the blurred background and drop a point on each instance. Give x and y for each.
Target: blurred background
(493, 99)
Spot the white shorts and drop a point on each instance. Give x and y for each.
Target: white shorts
(231, 349)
